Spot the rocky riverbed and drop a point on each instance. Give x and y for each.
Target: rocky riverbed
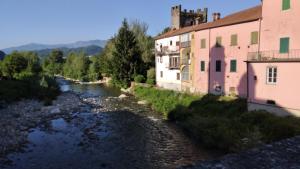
(92, 127)
(18, 118)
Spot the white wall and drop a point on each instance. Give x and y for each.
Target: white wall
(169, 79)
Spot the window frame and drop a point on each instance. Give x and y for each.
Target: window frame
(218, 68)
(178, 76)
(161, 74)
(202, 66)
(272, 79)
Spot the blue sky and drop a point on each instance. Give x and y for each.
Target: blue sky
(64, 21)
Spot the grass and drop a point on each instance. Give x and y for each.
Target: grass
(220, 122)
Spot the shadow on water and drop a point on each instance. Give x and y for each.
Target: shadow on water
(109, 139)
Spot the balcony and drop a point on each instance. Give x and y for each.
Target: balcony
(174, 63)
(186, 61)
(265, 56)
(185, 44)
(166, 50)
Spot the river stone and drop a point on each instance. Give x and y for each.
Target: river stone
(122, 96)
(55, 111)
(143, 102)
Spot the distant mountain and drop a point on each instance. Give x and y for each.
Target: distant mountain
(36, 46)
(88, 50)
(2, 55)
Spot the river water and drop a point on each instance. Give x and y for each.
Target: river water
(107, 133)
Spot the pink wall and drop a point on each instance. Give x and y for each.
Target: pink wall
(277, 24)
(225, 78)
(285, 92)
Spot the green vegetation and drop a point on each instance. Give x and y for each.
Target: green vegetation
(139, 79)
(128, 54)
(220, 122)
(22, 77)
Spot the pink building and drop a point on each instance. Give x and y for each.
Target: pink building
(253, 54)
(273, 70)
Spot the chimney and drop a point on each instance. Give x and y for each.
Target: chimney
(216, 16)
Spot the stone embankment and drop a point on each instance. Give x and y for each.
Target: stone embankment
(18, 118)
(280, 155)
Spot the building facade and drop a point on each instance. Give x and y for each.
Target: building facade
(252, 54)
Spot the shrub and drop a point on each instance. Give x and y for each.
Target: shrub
(139, 79)
(150, 81)
(218, 121)
(151, 73)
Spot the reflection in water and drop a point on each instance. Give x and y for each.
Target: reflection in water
(116, 139)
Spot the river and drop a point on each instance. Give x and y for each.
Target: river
(107, 133)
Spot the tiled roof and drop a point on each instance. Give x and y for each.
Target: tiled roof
(247, 15)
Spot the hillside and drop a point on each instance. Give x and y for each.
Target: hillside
(37, 47)
(2, 54)
(89, 50)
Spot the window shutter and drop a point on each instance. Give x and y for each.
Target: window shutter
(284, 45)
(254, 37)
(202, 66)
(234, 40)
(233, 66)
(203, 43)
(286, 4)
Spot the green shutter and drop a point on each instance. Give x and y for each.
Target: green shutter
(203, 43)
(254, 37)
(202, 66)
(233, 66)
(284, 45)
(286, 4)
(234, 40)
(219, 41)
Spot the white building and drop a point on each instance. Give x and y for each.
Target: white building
(168, 63)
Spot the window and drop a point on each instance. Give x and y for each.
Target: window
(203, 43)
(218, 66)
(185, 74)
(234, 40)
(161, 74)
(202, 66)
(254, 38)
(171, 43)
(157, 59)
(178, 76)
(233, 66)
(219, 41)
(286, 4)
(161, 59)
(284, 45)
(271, 75)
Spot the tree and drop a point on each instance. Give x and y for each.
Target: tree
(53, 64)
(144, 42)
(105, 58)
(13, 64)
(33, 62)
(125, 61)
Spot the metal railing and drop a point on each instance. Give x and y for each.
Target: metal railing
(274, 55)
(185, 44)
(167, 51)
(174, 63)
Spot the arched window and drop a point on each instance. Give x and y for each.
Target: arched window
(185, 73)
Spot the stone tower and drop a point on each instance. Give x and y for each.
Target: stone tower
(176, 17)
(185, 18)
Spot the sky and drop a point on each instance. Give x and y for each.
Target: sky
(65, 21)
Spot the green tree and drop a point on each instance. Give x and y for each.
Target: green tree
(125, 61)
(33, 61)
(53, 64)
(105, 58)
(145, 43)
(13, 64)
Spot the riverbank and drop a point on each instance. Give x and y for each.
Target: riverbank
(219, 122)
(105, 80)
(18, 118)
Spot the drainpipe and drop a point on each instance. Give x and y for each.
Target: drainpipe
(209, 61)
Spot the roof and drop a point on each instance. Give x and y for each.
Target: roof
(248, 15)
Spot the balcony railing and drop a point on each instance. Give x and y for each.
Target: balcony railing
(174, 63)
(291, 55)
(185, 44)
(167, 51)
